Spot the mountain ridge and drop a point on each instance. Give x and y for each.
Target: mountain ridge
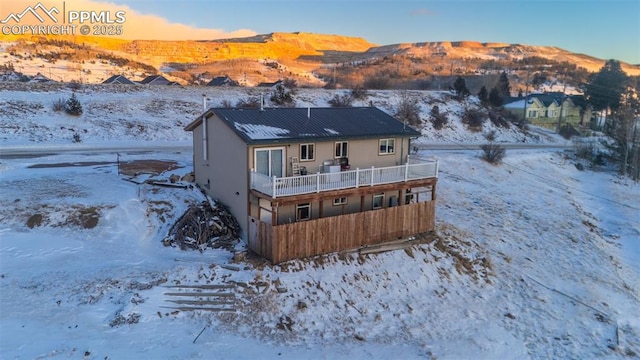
(305, 56)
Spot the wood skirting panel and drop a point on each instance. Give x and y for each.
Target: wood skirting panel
(321, 236)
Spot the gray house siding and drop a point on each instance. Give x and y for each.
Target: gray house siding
(224, 175)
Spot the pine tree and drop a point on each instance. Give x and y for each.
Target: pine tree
(460, 87)
(605, 88)
(73, 106)
(483, 95)
(494, 97)
(504, 89)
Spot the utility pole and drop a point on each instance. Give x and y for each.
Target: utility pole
(562, 99)
(526, 94)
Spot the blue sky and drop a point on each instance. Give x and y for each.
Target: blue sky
(607, 29)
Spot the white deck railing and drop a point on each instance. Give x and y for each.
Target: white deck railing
(315, 183)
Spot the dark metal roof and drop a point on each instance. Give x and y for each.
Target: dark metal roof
(118, 79)
(222, 81)
(277, 125)
(155, 79)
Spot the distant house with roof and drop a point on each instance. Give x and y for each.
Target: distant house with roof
(222, 81)
(550, 109)
(39, 78)
(303, 182)
(155, 80)
(271, 85)
(118, 79)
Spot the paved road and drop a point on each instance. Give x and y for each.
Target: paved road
(462, 146)
(25, 152)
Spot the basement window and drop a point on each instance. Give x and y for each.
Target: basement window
(378, 201)
(303, 212)
(340, 201)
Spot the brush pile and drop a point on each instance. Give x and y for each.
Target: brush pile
(202, 226)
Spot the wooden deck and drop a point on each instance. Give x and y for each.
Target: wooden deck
(314, 237)
(276, 187)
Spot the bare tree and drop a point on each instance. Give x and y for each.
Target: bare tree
(408, 110)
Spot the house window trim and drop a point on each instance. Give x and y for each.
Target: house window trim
(313, 146)
(340, 201)
(255, 157)
(300, 206)
(373, 202)
(387, 152)
(344, 149)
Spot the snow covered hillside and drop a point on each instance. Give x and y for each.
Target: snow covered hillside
(124, 114)
(533, 259)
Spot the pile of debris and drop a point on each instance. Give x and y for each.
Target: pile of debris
(204, 225)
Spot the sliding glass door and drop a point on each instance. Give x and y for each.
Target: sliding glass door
(269, 161)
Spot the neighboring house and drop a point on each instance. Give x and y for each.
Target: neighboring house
(550, 109)
(39, 78)
(270, 85)
(304, 182)
(222, 81)
(155, 80)
(118, 79)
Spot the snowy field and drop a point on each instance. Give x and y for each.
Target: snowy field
(535, 259)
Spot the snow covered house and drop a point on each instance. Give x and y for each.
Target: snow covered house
(309, 181)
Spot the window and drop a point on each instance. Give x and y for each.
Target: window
(307, 152)
(303, 212)
(387, 146)
(532, 114)
(340, 201)
(269, 161)
(341, 149)
(378, 201)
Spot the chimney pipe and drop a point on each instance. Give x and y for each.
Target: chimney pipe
(261, 102)
(204, 102)
(309, 112)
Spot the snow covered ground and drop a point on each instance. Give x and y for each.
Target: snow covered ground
(535, 259)
(125, 114)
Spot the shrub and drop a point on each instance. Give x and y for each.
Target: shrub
(252, 102)
(226, 103)
(58, 105)
(75, 85)
(492, 153)
(76, 138)
(281, 96)
(567, 131)
(290, 83)
(408, 111)
(438, 119)
(498, 119)
(377, 82)
(474, 119)
(359, 93)
(338, 100)
(73, 106)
